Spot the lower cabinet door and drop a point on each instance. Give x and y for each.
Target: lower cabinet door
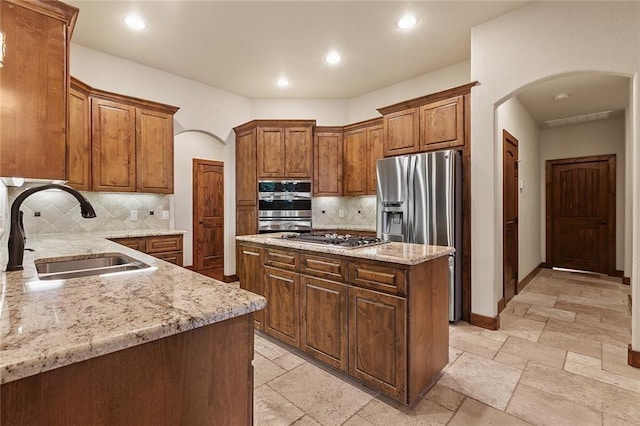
(283, 307)
(251, 277)
(377, 340)
(324, 326)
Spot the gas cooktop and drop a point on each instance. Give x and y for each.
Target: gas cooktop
(336, 240)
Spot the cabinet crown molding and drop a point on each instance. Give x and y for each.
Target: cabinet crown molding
(412, 103)
(274, 123)
(362, 124)
(52, 8)
(124, 99)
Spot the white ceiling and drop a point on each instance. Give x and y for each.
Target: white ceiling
(243, 47)
(588, 93)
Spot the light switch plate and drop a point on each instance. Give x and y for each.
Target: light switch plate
(134, 215)
(165, 214)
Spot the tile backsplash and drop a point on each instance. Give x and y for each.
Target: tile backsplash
(359, 212)
(55, 212)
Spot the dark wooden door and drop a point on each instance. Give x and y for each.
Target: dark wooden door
(510, 215)
(208, 214)
(581, 213)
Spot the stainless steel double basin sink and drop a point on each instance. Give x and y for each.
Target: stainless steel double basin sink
(96, 264)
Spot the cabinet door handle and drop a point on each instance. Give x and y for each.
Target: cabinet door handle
(250, 253)
(288, 280)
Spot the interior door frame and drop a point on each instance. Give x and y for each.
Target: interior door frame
(509, 138)
(194, 211)
(611, 191)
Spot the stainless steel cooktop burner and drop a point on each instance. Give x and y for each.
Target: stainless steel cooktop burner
(337, 240)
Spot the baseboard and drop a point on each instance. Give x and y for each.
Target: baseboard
(501, 305)
(490, 323)
(634, 358)
(522, 284)
(545, 265)
(618, 273)
(626, 280)
(229, 278)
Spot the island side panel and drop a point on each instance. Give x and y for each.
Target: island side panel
(428, 324)
(201, 376)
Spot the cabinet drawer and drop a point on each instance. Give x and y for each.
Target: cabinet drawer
(323, 267)
(381, 278)
(164, 244)
(133, 243)
(283, 259)
(174, 257)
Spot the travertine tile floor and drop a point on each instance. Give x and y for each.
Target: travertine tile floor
(559, 358)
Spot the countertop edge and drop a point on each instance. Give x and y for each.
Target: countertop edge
(371, 252)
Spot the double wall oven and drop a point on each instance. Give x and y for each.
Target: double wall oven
(284, 205)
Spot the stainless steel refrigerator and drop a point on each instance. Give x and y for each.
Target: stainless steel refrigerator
(419, 201)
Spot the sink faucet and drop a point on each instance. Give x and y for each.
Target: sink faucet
(16, 235)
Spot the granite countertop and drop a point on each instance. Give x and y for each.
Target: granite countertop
(50, 324)
(130, 233)
(392, 252)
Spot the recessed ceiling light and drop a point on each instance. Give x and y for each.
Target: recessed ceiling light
(135, 22)
(560, 96)
(282, 82)
(406, 22)
(333, 58)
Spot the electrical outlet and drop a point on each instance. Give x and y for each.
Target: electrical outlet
(165, 214)
(134, 215)
(340, 213)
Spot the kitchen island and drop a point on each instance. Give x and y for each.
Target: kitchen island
(161, 345)
(377, 313)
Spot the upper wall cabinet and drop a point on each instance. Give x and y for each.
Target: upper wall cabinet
(362, 148)
(131, 142)
(327, 161)
(284, 148)
(428, 123)
(34, 85)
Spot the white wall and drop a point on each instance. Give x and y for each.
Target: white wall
(583, 140)
(515, 119)
(538, 41)
(190, 145)
(365, 107)
(326, 112)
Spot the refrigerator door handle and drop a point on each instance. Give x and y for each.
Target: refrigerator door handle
(410, 201)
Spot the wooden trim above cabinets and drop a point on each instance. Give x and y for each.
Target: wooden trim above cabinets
(53, 9)
(273, 123)
(413, 103)
(362, 124)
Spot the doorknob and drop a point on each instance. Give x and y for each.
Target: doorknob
(603, 222)
(201, 223)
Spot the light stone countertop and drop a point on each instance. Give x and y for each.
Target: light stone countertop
(392, 252)
(130, 233)
(50, 324)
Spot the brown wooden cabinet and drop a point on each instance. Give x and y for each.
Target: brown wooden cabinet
(428, 123)
(246, 166)
(154, 151)
(166, 247)
(284, 149)
(442, 124)
(377, 332)
(113, 130)
(363, 144)
(131, 142)
(283, 307)
(34, 85)
(401, 132)
(79, 137)
(323, 320)
(251, 276)
(246, 220)
(327, 161)
(385, 324)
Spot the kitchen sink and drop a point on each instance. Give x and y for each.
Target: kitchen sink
(97, 264)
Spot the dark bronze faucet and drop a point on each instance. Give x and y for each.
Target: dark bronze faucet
(17, 237)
